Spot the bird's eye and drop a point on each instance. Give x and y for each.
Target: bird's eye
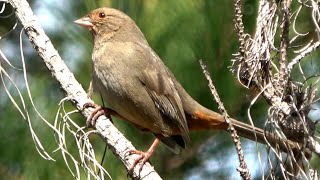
(102, 15)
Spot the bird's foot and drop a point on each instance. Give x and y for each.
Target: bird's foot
(98, 111)
(143, 158)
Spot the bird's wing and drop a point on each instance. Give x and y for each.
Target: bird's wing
(158, 83)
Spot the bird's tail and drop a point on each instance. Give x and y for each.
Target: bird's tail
(204, 118)
(199, 118)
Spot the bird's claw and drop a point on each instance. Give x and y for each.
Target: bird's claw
(143, 158)
(98, 111)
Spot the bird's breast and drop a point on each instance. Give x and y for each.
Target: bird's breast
(116, 76)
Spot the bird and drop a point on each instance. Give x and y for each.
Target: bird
(140, 89)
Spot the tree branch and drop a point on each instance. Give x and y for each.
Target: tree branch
(243, 169)
(282, 82)
(303, 54)
(289, 101)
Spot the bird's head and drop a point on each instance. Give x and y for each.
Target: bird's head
(107, 23)
(104, 21)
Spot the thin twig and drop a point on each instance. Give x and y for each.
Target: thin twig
(244, 171)
(303, 54)
(239, 27)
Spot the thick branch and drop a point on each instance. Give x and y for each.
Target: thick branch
(111, 136)
(283, 61)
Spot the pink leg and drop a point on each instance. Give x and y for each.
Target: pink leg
(144, 156)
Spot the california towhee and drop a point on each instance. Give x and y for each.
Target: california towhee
(140, 89)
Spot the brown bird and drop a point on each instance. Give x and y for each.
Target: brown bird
(140, 89)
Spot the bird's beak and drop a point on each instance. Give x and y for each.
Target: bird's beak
(84, 21)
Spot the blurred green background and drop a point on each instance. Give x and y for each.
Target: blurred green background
(181, 32)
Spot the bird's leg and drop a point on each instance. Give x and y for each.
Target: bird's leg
(144, 156)
(98, 111)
